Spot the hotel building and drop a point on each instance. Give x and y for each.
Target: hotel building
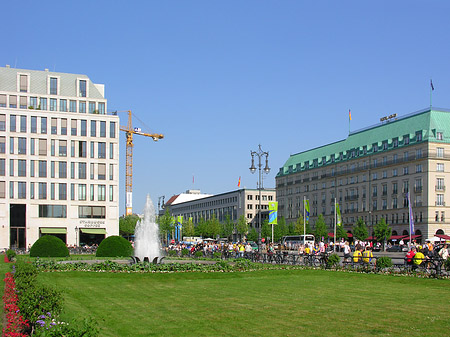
(59, 159)
(371, 172)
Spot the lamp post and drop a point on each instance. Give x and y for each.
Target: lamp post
(260, 154)
(76, 236)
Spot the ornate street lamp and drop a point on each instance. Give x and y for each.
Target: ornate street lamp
(260, 154)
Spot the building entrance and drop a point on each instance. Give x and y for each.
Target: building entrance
(17, 225)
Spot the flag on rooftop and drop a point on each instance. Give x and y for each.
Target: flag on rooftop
(239, 182)
(349, 114)
(432, 86)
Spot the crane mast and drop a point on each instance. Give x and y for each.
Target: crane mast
(130, 131)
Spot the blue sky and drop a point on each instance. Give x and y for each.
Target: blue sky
(217, 78)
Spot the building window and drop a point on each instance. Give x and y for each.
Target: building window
(12, 123)
(111, 194)
(43, 125)
(91, 107)
(111, 172)
(23, 83)
(22, 145)
(101, 150)
(93, 128)
(418, 168)
(112, 129)
(53, 86)
(92, 192)
(63, 105)
(72, 191)
(405, 170)
(62, 169)
(42, 147)
(72, 170)
(2, 122)
(31, 190)
(111, 150)
(11, 167)
(72, 148)
(82, 192)
(93, 212)
(23, 102)
(81, 170)
(33, 124)
(52, 191)
(440, 200)
(53, 104)
(2, 189)
(23, 123)
(82, 149)
(2, 144)
(92, 171)
(13, 101)
(62, 191)
(42, 168)
(22, 167)
(54, 126)
(102, 129)
(2, 101)
(440, 152)
(52, 211)
(101, 192)
(43, 105)
(73, 127)
(64, 126)
(418, 136)
(11, 145)
(82, 107)
(33, 102)
(92, 152)
(83, 88)
(101, 171)
(11, 189)
(101, 108)
(439, 136)
(83, 131)
(63, 148)
(73, 106)
(406, 139)
(32, 146)
(440, 167)
(42, 191)
(32, 169)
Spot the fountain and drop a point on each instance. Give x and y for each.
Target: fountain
(146, 242)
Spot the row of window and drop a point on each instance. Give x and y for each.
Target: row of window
(39, 147)
(39, 168)
(60, 211)
(57, 191)
(78, 127)
(52, 104)
(263, 197)
(53, 85)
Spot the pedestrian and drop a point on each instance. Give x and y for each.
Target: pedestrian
(443, 253)
(347, 251)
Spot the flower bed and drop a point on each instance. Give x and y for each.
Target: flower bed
(15, 324)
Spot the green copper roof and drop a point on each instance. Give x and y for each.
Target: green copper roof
(420, 126)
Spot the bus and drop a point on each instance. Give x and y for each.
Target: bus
(293, 241)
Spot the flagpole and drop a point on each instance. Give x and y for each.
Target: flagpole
(431, 92)
(304, 219)
(335, 215)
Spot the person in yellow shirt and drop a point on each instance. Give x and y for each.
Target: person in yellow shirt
(368, 256)
(418, 259)
(357, 254)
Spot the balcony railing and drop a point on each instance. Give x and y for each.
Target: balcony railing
(440, 188)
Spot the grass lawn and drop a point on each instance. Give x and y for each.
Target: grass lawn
(262, 303)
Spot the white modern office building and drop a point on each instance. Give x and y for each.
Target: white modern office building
(59, 159)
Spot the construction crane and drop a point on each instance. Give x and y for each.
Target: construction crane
(130, 131)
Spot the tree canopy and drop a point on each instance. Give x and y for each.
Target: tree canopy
(127, 224)
(360, 230)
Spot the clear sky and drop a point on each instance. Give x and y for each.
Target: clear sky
(217, 78)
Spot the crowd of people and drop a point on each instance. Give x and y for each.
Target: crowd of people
(426, 255)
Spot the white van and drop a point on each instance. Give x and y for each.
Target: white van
(293, 241)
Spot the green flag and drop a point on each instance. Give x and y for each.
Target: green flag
(306, 201)
(338, 215)
(180, 220)
(273, 212)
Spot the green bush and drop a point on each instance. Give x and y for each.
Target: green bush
(10, 254)
(24, 276)
(198, 253)
(172, 253)
(384, 262)
(217, 255)
(49, 246)
(447, 264)
(333, 261)
(114, 246)
(185, 252)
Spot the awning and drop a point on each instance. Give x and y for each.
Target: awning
(397, 237)
(49, 230)
(443, 236)
(93, 230)
(349, 235)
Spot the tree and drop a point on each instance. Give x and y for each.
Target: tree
(382, 231)
(213, 227)
(341, 233)
(360, 230)
(188, 228)
(321, 228)
(228, 227)
(266, 230)
(201, 229)
(242, 225)
(166, 224)
(252, 235)
(127, 225)
(299, 226)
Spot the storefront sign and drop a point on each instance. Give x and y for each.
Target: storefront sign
(92, 223)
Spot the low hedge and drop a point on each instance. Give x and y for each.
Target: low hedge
(114, 246)
(49, 246)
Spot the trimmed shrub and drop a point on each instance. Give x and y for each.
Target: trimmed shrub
(114, 246)
(49, 246)
(11, 255)
(198, 254)
(185, 252)
(447, 264)
(172, 253)
(217, 255)
(333, 261)
(384, 262)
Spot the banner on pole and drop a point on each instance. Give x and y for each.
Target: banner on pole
(306, 201)
(273, 212)
(338, 215)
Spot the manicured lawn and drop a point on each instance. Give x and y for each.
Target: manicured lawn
(263, 303)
